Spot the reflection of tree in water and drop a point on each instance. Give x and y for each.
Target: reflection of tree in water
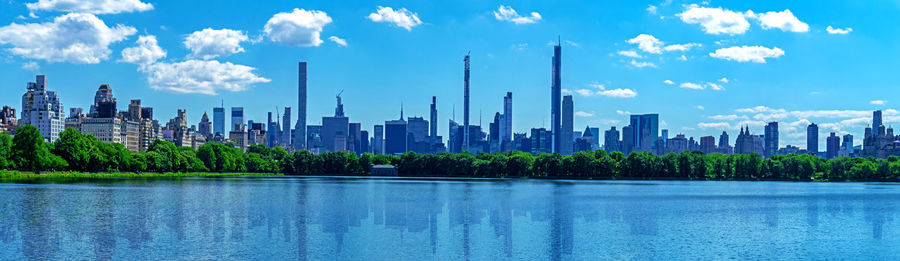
(40, 240)
(103, 236)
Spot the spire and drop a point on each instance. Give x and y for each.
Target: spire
(401, 110)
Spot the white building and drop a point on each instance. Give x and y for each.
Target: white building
(42, 109)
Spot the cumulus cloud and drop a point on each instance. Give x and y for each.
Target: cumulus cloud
(146, 52)
(723, 80)
(506, 13)
(584, 114)
(90, 6)
(201, 76)
(647, 43)
(832, 30)
(698, 86)
(878, 102)
(784, 20)
(651, 9)
(757, 54)
(75, 38)
(669, 82)
(602, 91)
(716, 20)
(690, 85)
(681, 47)
(729, 117)
(401, 17)
(31, 66)
(338, 40)
(630, 53)
(700, 107)
(297, 28)
(642, 64)
(210, 43)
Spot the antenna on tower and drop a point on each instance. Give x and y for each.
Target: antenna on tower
(559, 40)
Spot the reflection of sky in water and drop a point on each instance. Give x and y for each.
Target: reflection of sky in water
(396, 219)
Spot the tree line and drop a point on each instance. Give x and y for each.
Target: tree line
(74, 151)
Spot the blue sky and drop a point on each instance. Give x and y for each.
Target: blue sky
(704, 67)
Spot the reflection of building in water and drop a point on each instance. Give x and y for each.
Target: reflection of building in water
(874, 212)
(562, 224)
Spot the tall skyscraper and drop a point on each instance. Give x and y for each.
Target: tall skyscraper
(611, 140)
(378, 147)
(812, 139)
(395, 136)
(43, 109)
(465, 144)
(205, 126)
(832, 146)
(286, 134)
(506, 127)
(134, 110)
(555, 93)
(237, 118)
(771, 139)
(300, 128)
(876, 119)
(645, 128)
(219, 121)
(335, 130)
(272, 136)
(104, 103)
(432, 137)
(566, 141)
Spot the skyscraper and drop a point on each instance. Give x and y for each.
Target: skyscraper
(555, 93)
(219, 121)
(876, 119)
(432, 137)
(335, 130)
(104, 103)
(286, 134)
(274, 132)
(43, 109)
(645, 130)
(395, 136)
(300, 128)
(832, 146)
(506, 128)
(566, 141)
(465, 144)
(812, 139)
(611, 140)
(205, 126)
(134, 110)
(237, 118)
(378, 147)
(771, 139)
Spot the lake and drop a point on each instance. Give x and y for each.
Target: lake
(284, 218)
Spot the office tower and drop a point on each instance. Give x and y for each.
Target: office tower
(432, 137)
(364, 142)
(300, 128)
(541, 141)
(645, 130)
(506, 128)
(134, 110)
(274, 132)
(177, 130)
(708, 144)
(465, 138)
(237, 118)
(354, 138)
(832, 146)
(848, 142)
(627, 144)
(378, 147)
(455, 140)
(43, 109)
(876, 119)
(147, 113)
(205, 126)
(417, 133)
(395, 136)
(555, 93)
(771, 138)
(664, 137)
(286, 140)
(566, 126)
(104, 103)
(335, 130)
(812, 139)
(219, 121)
(611, 140)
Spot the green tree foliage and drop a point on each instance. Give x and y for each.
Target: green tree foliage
(6, 152)
(31, 153)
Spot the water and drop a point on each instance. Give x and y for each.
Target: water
(398, 219)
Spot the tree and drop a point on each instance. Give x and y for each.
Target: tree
(30, 152)
(6, 151)
(75, 148)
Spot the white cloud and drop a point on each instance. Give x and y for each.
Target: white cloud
(700, 107)
(75, 38)
(669, 82)
(690, 85)
(630, 53)
(729, 117)
(723, 80)
(878, 102)
(621, 112)
(584, 92)
(683, 58)
(784, 20)
(506, 13)
(146, 52)
(573, 44)
(584, 114)
(210, 43)
(642, 64)
(647, 43)
(759, 109)
(201, 76)
(31, 66)
(714, 125)
(681, 47)
(757, 54)
(716, 20)
(401, 17)
(90, 6)
(566, 91)
(297, 28)
(832, 30)
(338, 40)
(715, 87)
(618, 93)
(651, 9)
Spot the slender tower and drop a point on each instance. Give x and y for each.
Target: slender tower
(433, 130)
(555, 93)
(466, 104)
(300, 128)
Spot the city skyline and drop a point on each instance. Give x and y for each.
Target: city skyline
(499, 66)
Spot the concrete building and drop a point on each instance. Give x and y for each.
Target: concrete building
(218, 121)
(832, 146)
(771, 139)
(300, 129)
(555, 98)
(567, 127)
(205, 127)
(541, 141)
(611, 140)
(237, 118)
(378, 146)
(812, 139)
(708, 144)
(43, 109)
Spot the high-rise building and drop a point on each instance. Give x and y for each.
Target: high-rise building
(708, 144)
(378, 147)
(274, 133)
(832, 146)
(645, 130)
(812, 139)
(566, 140)
(611, 140)
(177, 130)
(364, 142)
(771, 139)
(300, 137)
(237, 118)
(432, 136)
(286, 140)
(354, 138)
(134, 110)
(555, 96)
(455, 137)
(506, 127)
(219, 121)
(417, 133)
(8, 119)
(335, 130)
(43, 109)
(465, 136)
(541, 141)
(104, 103)
(395, 136)
(205, 126)
(664, 137)
(876, 119)
(627, 144)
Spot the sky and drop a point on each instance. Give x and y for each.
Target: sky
(704, 66)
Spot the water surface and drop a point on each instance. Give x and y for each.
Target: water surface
(419, 219)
